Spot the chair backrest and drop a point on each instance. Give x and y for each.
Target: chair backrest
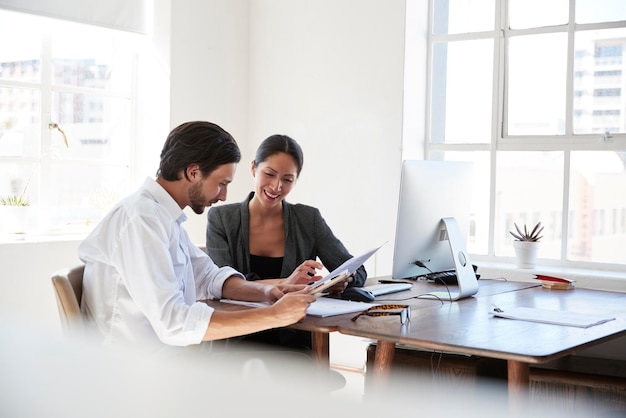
(68, 286)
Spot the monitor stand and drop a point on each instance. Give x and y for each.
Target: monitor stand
(467, 282)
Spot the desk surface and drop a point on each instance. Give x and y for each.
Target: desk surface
(465, 326)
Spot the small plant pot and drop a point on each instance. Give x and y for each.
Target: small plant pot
(526, 253)
(13, 220)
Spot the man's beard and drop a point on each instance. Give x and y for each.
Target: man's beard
(197, 201)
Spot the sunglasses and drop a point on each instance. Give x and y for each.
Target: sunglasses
(404, 311)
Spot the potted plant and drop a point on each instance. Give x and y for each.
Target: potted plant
(526, 245)
(14, 213)
(14, 200)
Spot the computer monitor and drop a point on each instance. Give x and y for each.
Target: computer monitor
(433, 223)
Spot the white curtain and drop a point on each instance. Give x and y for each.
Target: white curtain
(128, 15)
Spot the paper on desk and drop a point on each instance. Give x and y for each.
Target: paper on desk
(245, 303)
(546, 316)
(329, 306)
(322, 307)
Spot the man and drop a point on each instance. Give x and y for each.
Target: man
(144, 277)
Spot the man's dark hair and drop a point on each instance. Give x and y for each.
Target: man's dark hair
(199, 142)
(279, 143)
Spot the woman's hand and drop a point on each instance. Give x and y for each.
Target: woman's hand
(305, 273)
(340, 286)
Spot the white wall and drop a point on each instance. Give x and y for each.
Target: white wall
(328, 73)
(26, 294)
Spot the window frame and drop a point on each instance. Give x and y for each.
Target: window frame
(500, 139)
(44, 161)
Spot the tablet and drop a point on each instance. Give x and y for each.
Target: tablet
(329, 283)
(350, 265)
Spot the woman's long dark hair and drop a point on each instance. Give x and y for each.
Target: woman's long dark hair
(279, 143)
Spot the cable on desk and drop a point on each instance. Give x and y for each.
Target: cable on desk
(429, 296)
(504, 279)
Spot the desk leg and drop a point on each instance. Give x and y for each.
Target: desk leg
(383, 360)
(518, 383)
(320, 342)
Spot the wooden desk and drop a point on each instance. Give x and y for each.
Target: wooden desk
(321, 328)
(465, 327)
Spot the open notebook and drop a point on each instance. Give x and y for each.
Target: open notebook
(322, 307)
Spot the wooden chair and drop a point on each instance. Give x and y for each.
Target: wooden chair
(68, 287)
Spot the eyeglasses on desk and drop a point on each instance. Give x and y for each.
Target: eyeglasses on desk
(404, 311)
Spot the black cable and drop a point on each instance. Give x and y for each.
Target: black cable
(418, 263)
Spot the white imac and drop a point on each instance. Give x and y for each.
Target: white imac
(433, 223)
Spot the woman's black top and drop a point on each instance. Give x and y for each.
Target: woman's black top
(264, 267)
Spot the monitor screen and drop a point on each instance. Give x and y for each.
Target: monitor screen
(430, 191)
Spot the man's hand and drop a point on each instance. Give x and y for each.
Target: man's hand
(291, 308)
(276, 292)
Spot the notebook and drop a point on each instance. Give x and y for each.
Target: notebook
(322, 307)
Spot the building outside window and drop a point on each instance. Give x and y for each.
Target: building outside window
(538, 102)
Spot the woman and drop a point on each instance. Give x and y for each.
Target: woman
(266, 237)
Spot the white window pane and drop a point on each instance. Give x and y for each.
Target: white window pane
(20, 125)
(529, 189)
(84, 193)
(19, 60)
(461, 99)
(592, 11)
(597, 224)
(536, 84)
(97, 59)
(478, 235)
(96, 127)
(463, 16)
(525, 14)
(19, 180)
(600, 81)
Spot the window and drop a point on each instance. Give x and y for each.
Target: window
(66, 114)
(536, 101)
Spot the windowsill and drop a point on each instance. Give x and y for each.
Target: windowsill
(17, 239)
(585, 278)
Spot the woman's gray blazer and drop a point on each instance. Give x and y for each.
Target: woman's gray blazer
(307, 237)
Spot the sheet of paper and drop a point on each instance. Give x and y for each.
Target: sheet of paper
(351, 265)
(547, 316)
(329, 306)
(245, 303)
(322, 307)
